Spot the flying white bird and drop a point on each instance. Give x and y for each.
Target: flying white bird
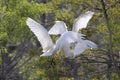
(66, 39)
(45, 40)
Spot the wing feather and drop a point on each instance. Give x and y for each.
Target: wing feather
(41, 34)
(58, 28)
(81, 21)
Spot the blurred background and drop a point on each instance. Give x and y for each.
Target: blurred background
(20, 49)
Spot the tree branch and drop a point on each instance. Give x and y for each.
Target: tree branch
(110, 51)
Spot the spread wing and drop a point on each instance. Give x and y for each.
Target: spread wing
(41, 34)
(81, 21)
(58, 28)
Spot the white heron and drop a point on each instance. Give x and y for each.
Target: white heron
(66, 39)
(80, 45)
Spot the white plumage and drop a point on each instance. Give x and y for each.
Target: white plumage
(82, 21)
(58, 28)
(41, 34)
(67, 39)
(82, 46)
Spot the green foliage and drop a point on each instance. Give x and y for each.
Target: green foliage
(115, 24)
(13, 29)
